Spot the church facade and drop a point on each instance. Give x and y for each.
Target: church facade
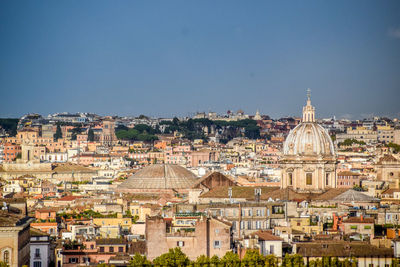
(308, 161)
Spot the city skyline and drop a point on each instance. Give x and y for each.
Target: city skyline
(177, 58)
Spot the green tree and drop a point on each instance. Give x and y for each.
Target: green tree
(139, 260)
(90, 135)
(201, 261)
(230, 259)
(271, 261)
(395, 147)
(58, 133)
(214, 261)
(173, 258)
(350, 142)
(104, 265)
(10, 125)
(3, 264)
(294, 260)
(175, 121)
(253, 258)
(75, 131)
(252, 132)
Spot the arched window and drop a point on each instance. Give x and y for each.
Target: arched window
(6, 256)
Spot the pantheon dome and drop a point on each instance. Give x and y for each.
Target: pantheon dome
(308, 159)
(159, 177)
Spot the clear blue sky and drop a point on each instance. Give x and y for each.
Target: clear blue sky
(166, 58)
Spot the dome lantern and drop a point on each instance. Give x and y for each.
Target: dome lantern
(308, 110)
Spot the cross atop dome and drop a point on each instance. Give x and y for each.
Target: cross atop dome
(308, 110)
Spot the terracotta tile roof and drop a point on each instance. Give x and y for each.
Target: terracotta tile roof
(68, 198)
(247, 192)
(387, 158)
(331, 194)
(40, 224)
(48, 210)
(341, 249)
(390, 191)
(266, 236)
(37, 232)
(10, 218)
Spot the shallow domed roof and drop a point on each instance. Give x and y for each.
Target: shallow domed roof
(160, 176)
(308, 138)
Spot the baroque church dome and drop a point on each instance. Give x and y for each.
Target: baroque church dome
(308, 138)
(308, 162)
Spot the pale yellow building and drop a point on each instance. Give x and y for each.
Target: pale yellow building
(123, 223)
(388, 170)
(360, 134)
(14, 239)
(385, 134)
(141, 211)
(305, 225)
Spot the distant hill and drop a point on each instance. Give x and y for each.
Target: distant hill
(10, 125)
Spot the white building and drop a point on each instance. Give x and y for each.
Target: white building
(40, 249)
(13, 188)
(55, 157)
(265, 242)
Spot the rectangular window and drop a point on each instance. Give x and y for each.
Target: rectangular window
(271, 249)
(37, 253)
(37, 264)
(249, 225)
(308, 178)
(217, 244)
(120, 249)
(290, 178)
(327, 179)
(101, 249)
(180, 243)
